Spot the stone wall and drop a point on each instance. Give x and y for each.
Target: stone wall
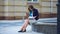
(16, 9)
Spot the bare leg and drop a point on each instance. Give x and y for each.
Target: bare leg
(25, 24)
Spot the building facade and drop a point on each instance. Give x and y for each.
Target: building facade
(16, 9)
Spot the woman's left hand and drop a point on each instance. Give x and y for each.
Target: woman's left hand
(34, 17)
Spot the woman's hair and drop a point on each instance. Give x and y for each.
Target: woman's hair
(30, 6)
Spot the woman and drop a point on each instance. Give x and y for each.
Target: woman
(32, 12)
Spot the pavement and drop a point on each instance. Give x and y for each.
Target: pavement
(12, 27)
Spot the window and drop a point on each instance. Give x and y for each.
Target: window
(29, 0)
(32, 0)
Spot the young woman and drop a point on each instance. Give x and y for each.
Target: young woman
(32, 12)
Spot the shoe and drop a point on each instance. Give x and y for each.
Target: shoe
(25, 30)
(22, 31)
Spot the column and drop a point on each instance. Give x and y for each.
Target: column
(58, 16)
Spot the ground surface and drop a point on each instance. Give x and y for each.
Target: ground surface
(12, 27)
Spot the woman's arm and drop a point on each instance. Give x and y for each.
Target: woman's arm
(36, 13)
(27, 14)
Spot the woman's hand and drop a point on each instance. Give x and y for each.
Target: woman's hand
(34, 17)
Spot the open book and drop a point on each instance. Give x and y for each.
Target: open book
(31, 18)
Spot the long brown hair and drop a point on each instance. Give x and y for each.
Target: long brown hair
(30, 6)
(27, 13)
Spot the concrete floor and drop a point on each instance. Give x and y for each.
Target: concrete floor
(12, 27)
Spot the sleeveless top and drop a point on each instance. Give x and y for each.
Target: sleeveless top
(31, 14)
